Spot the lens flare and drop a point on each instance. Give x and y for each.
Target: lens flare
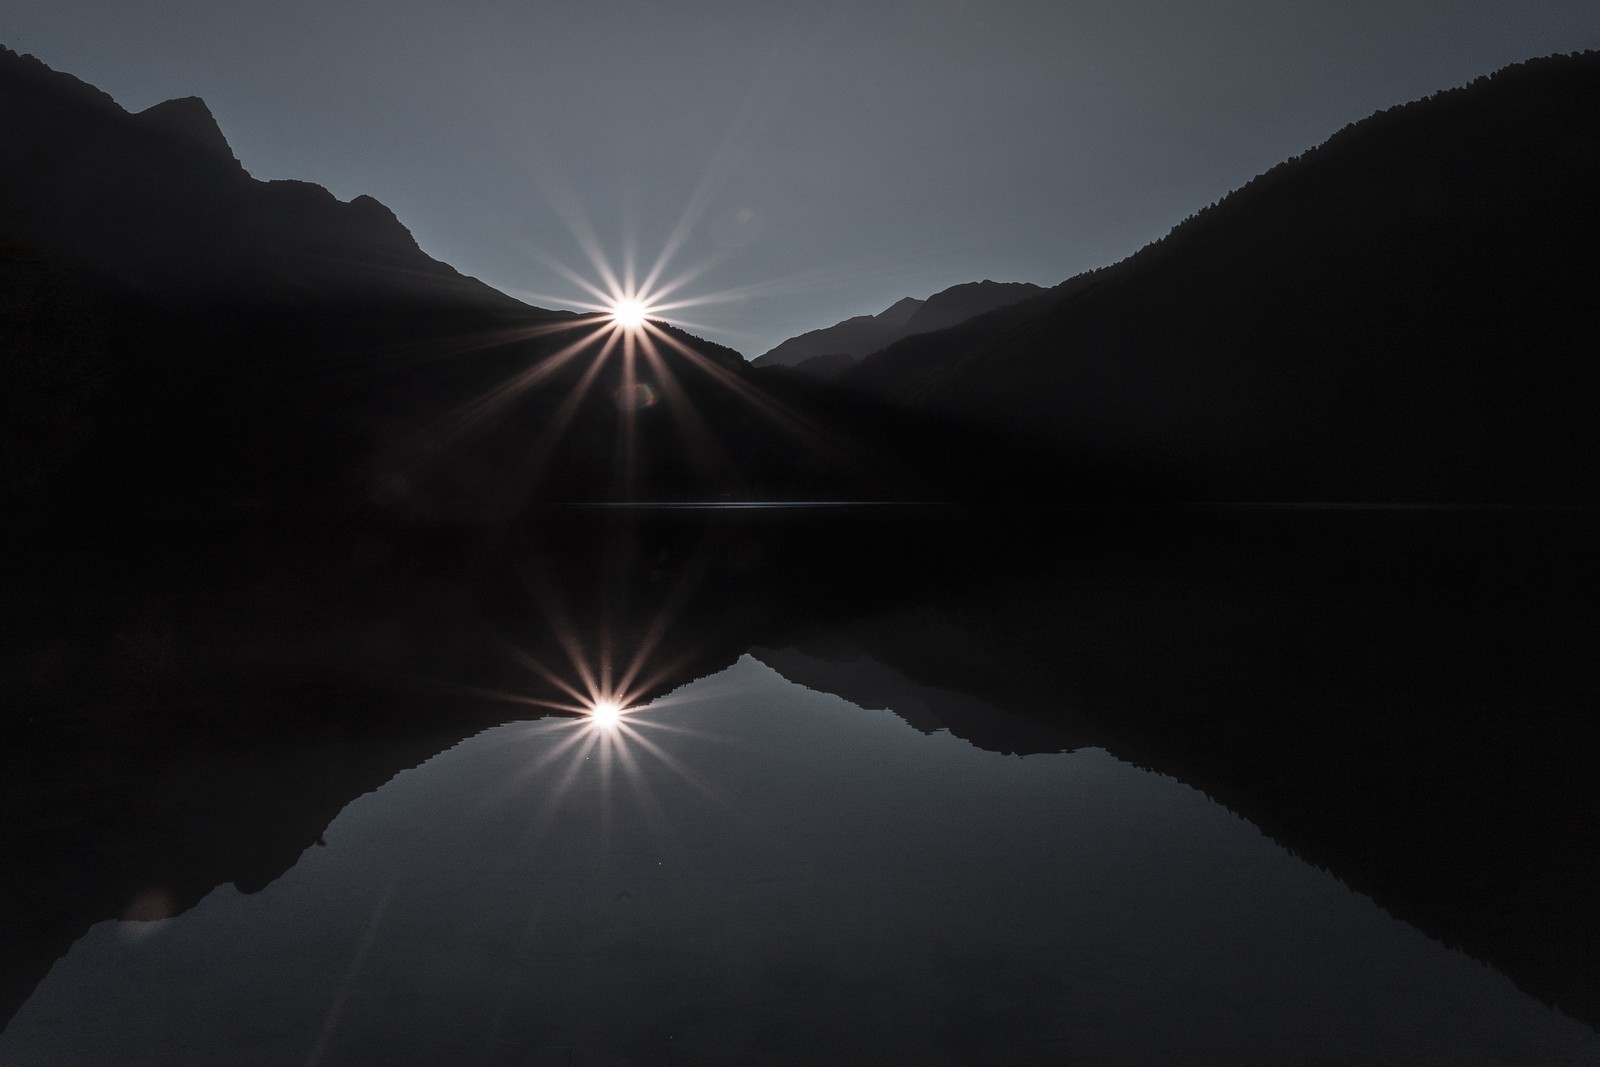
(606, 714)
(642, 395)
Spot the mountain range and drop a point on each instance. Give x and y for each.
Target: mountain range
(177, 332)
(155, 205)
(828, 352)
(1405, 313)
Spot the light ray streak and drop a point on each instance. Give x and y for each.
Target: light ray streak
(579, 706)
(640, 719)
(631, 682)
(436, 347)
(566, 637)
(818, 278)
(581, 697)
(644, 796)
(585, 308)
(762, 97)
(781, 416)
(492, 403)
(544, 447)
(708, 790)
(569, 753)
(606, 749)
(583, 233)
(586, 743)
(691, 424)
(598, 292)
(336, 1010)
(684, 324)
(629, 256)
(628, 455)
(658, 292)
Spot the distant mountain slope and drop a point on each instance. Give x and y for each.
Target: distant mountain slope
(853, 337)
(1407, 312)
(961, 302)
(864, 334)
(156, 204)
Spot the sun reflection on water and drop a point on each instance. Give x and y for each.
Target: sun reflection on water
(605, 715)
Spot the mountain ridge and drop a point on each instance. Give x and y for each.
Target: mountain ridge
(861, 335)
(155, 203)
(188, 120)
(1402, 313)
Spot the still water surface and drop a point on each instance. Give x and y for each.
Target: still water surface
(752, 872)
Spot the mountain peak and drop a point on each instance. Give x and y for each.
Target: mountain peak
(843, 343)
(188, 121)
(155, 204)
(27, 76)
(1404, 313)
(899, 312)
(961, 302)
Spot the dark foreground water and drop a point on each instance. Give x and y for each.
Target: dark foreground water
(747, 869)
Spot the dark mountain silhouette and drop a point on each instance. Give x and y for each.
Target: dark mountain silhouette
(178, 334)
(155, 204)
(869, 683)
(1401, 697)
(1403, 313)
(194, 341)
(825, 368)
(827, 352)
(854, 337)
(188, 120)
(961, 302)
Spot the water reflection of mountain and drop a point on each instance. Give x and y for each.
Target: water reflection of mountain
(842, 669)
(1399, 697)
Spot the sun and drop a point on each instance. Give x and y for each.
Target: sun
(629, 313)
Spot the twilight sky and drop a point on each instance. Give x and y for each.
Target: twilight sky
(814, 161)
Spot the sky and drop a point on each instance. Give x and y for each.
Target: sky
(799, 164)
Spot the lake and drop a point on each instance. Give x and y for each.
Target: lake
(888, 831)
